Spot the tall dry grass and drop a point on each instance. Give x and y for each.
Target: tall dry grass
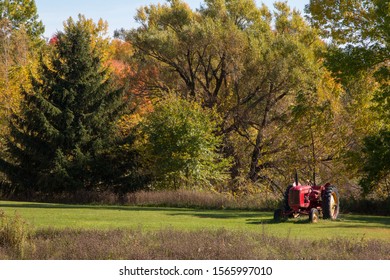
(14, 234)
(168, 244)
(204, 199)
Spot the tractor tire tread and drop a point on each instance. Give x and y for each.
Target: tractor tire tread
(327, 211)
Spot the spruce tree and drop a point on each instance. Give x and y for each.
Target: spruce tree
(61, 138)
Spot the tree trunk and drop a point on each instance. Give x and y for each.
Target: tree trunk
(253, 172)
(254, 169)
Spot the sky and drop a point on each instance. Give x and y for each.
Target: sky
(118, 13)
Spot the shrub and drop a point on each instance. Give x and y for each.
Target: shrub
(181, 145)
(371, 206)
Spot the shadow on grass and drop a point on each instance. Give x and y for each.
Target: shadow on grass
(366, 220)
(200, 213)
(261, 221)
(222, 214)
(33, 205)
(272, 221)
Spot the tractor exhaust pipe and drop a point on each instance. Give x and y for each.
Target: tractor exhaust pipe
(314, 178)
(296, 177)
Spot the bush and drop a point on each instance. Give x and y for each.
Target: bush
(371, 206)
(181, 145)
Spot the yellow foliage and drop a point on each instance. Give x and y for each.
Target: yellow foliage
(15, 62)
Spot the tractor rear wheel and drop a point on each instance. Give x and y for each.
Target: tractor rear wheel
(314, 215)
(331, 203)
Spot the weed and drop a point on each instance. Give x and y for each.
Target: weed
(14, 233)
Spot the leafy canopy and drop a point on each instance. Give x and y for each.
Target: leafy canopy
(242, 61)
(359, 57)
(22, 14)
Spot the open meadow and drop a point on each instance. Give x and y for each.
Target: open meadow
(60, 231)
(61, 216)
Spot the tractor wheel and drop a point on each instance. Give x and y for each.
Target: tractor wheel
(331, 203)
(278, 215)
(314, 215)
(285, 200)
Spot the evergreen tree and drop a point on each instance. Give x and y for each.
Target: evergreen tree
(61, 138)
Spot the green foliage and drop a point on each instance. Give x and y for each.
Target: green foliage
(124, 169)
(182, 146)
(355, 21)
(359, 57)
(14, 59)
(68, 117)
(313, 121)
(242, 61)
(376, 160)
(22, 14)
(275, 106)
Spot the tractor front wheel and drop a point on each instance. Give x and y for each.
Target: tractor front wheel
(331, 203)
(314, 215)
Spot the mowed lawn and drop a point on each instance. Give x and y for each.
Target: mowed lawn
(42, 215)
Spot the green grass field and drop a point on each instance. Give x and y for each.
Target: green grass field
(59, 216)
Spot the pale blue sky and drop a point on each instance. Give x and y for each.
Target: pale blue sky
(118, 13)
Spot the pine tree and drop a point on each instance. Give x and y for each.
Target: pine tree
(61, 138)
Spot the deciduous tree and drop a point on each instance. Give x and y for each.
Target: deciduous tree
(23, 14)
(232, 57)
(359, 56)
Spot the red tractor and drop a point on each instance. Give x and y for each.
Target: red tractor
(311, 200)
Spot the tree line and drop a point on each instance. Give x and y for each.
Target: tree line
(231, 96)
